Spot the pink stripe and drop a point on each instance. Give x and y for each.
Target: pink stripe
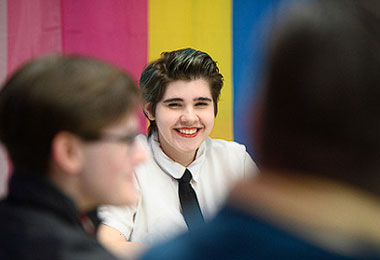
(112, 30)
(3, 40)
(34, 28)
(115, 31)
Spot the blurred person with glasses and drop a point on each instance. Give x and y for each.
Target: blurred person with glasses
(69, 124)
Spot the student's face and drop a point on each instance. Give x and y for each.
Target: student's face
(184, 116)
(109, 164)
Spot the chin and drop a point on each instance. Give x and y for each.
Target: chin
(131, 196)
(127, 196)
(130, 199)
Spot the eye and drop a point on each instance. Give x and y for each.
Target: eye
(174, 105)
(129, 139)
(201, 104)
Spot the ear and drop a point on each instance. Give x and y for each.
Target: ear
(67, 153)
(147, 111)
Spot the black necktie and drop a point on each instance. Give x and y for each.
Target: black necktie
(190, 206)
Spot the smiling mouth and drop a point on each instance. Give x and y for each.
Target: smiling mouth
(188, 132)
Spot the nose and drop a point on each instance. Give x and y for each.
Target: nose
(189, 116)
(141, 152)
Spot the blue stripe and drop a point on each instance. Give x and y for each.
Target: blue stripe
(248, 37)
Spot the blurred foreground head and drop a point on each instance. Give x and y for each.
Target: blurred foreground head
(54, 94)
(320, 105)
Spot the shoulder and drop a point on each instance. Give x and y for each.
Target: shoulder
(29, 233)
(31, 221)
(150, 163)
(142, 138)
(231, 156)
(221, 144)
(222, 148)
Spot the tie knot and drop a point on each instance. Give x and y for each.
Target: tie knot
(186, 177)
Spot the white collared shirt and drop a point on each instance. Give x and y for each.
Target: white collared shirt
(157, 216)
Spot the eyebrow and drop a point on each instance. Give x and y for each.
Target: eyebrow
(203, 99)
(181, 100)
(173, 100)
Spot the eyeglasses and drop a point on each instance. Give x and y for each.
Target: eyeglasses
(128, 139)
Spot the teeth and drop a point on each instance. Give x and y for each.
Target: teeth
(187, 131)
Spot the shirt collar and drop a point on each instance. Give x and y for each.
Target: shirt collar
(173, 168)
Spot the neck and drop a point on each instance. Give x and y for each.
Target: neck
(70, 186)
(320, 210)
(185, 159)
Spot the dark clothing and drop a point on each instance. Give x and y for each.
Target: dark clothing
(234, 234)
(37, 221)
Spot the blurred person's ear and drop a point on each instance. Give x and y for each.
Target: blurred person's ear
(67, 153)
(147, 111)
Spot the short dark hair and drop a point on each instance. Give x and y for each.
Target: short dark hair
(184, 64)
(60, 93)
(321, 96)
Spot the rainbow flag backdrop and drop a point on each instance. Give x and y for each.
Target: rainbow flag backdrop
(130, 33)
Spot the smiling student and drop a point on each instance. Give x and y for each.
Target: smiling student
(181, 91)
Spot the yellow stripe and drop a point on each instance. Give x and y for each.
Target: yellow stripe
(200, 24)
